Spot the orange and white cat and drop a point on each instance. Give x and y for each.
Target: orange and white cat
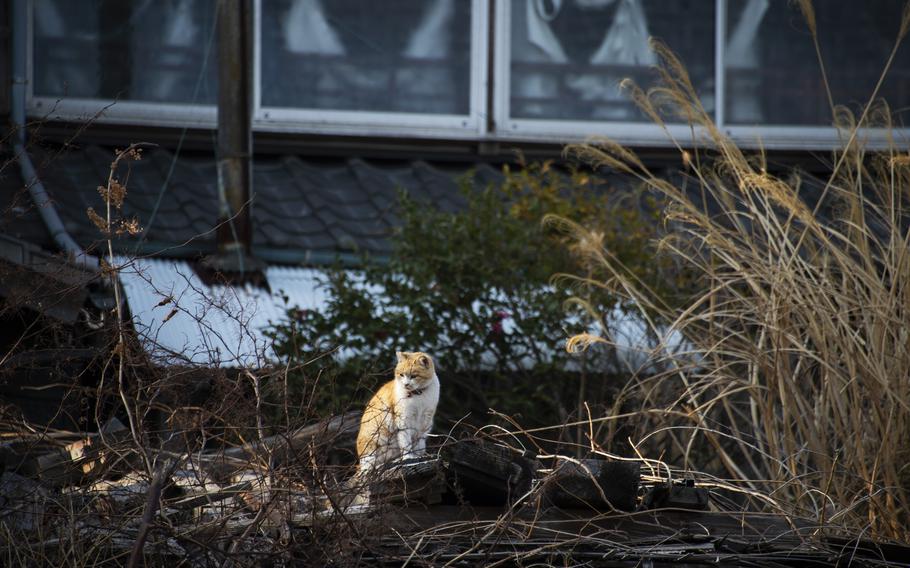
(398, 418)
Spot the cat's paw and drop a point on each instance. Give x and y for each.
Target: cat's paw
(414, 455)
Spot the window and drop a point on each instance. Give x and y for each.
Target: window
(559, 65)
(567, 59)
(419, 68)
(390, 56)
(772, 71)
(151, 50)
(397, 67)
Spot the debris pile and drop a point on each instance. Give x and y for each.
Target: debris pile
(472, 499)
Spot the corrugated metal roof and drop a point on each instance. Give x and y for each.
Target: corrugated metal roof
(182, 320)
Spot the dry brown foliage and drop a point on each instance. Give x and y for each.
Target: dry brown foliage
(796, 376)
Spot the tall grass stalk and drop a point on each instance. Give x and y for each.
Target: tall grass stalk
(798, 372)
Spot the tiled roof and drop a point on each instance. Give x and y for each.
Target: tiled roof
(18, 216)
(302, 208)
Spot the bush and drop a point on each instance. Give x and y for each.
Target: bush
(473, 289)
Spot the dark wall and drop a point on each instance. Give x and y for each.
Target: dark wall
(5, 70)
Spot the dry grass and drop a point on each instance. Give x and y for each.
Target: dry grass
(799, 368)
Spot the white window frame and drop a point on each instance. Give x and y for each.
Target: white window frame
(534, 129)
(783, 137)
(315, 121)
(648, 134)
(107, 110)
(470, 126)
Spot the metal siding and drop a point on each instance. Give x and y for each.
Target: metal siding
(212, 325)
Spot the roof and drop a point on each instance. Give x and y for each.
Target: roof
(18, 217)
(181, 319)
(304, 211)
(32, 277)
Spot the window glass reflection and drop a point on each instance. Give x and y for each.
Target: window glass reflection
(139, 50)
(394, 55)
(772, 71)
(568, 56)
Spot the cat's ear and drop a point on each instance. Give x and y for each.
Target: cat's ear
(400, 355)
(424, 361)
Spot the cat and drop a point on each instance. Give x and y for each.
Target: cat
(398, 418)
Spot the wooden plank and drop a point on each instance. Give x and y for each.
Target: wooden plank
(597, 484)
(88, 458)
(676, 496)
(208, 497)
(321, 433)
(484, 473)
(421, 480)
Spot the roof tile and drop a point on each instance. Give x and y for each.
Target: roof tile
(324, 206)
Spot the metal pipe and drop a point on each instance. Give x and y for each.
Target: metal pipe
(36, 189)
(235, 141)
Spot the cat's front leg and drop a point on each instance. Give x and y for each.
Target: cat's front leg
(406, 442)
(421, 446)
(425, 427)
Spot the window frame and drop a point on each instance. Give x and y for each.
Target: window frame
(535, 129)
(780, 137)
(372, 123)
(488, 115)
(109, 111)
(470, 126)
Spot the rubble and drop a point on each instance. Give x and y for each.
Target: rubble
(86, 458)
(595, 484)
(23, 502)
(467, 501)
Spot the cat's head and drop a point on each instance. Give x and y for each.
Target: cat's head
(414, 370)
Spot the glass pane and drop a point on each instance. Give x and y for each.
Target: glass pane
(772, 71)
(136, 50)
(568, 56)
(393, 55)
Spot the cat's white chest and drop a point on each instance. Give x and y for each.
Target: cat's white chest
(416, 411)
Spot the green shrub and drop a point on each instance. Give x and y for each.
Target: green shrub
(473, 289)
